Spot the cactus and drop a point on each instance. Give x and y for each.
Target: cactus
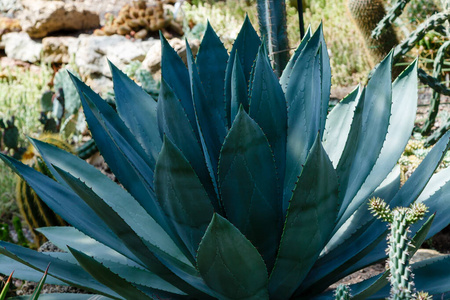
(272, 25)
(34, 211)
(367, 14)
(342, 292)
(394, 12)
(399, 219)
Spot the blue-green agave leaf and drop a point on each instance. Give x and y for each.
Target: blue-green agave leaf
(268, 109)
(374, 128)
(247, 43)
(210, 126)
(312, 209)
(176, 75)
(239, 94)
(23, 272)
(175, 125)
(137, 107)
(225, 259)
(401, 123)
(303, 101)
(284, 79)
(113, 195)
(121, 151)
(105, 276)
(182, 196)
(211, 59)
(68, 205)
(337, 127)
(69, 273)
(247, 182)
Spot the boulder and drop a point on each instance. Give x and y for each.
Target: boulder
(18, 45)
(152, 61)
(91, 54)
(56, 49)
(39, 17)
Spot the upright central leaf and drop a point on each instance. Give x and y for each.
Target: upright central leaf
(248, 186)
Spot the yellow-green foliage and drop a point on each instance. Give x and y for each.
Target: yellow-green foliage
(34, 211)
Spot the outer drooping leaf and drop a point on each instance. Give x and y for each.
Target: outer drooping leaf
(136, 107)
(374, 128)
(401, 123)
(247, 43)
(210, 126)
(303, 96)
(226, 258)
(284, 79)
(69, 273)
(175, 124)
(121, 151)
(338, 125)
(174, 72)
(105, 276)
(69, 206)
(238, 88)
(182, 196)
(268, 109)
(248, 185)
(113, 195)
(212, 59)
(313, 208)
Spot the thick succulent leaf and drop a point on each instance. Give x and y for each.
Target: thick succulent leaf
(69, 273)
(272, 26)
(105, 276)
(65, 296)
(337, 127)
(40, 285)
(374, 128)
(226, 258)
(121, 151)
(401, 123)
(182, 196)
(69, 206)
(210, 126)
(268, 109)
(303, 100)
(113, 195)
(129, 238)
(136, 107)
(175, 125)
(211, 59)
(311, 214)
(176, 75)
(24, 272)
(247, 182)
(325, 85)
(284, 79)
(238, 89)
(247, 43)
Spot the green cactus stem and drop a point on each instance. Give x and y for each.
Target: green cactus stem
(342, 292)
(394, 12)
(399, 219)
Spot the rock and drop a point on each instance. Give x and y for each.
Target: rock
(56, 49)
(39, 17)
(18, 45)
(9, 25)
(91, 53)
(152, 61)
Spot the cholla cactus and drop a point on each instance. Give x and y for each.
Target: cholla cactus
(342, 292)
(399, 218)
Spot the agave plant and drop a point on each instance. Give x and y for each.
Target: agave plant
(235, 184)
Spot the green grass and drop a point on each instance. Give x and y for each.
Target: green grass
(20, 92)
(349, 63)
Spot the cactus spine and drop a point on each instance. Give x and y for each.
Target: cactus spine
(342, 292)
(35, 212)
(399, 219)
